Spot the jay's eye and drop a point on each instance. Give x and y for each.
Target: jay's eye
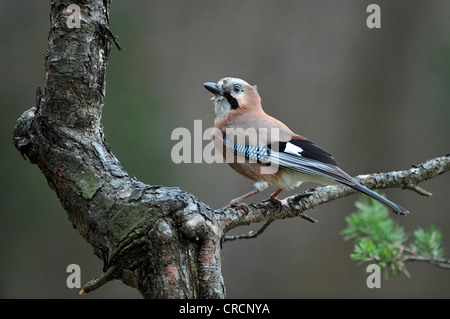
(236, 88)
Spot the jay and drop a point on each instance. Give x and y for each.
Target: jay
(266, 151)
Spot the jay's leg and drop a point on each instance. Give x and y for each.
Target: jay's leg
(237, 201)
(259, 187)
(273, 198)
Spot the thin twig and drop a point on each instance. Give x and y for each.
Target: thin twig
(250, 234)
(419, 190)
(95, 283)
(435, 261)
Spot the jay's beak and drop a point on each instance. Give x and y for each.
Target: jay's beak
(212, 87)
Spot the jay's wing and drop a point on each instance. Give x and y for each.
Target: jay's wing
(300, 155)
(304, 156)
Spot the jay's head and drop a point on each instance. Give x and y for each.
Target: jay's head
(232, 96)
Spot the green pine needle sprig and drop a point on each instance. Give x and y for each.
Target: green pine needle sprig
(379, 239)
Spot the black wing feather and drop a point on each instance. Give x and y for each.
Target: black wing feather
(310, 150)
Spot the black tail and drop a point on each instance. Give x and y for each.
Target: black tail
(397, 208)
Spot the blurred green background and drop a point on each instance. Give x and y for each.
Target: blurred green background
(377, 99)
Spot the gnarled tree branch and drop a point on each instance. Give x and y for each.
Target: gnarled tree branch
(163, 241)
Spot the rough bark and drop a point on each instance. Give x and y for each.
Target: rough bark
(163, 241)
(151, 237)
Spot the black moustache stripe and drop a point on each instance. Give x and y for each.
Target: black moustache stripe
(233, 102)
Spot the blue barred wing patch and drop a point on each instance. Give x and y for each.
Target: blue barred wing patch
(258, 153)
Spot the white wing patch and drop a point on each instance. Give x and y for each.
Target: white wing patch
(293, 149)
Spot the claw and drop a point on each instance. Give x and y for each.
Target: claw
(289, 208)
(236, 204)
